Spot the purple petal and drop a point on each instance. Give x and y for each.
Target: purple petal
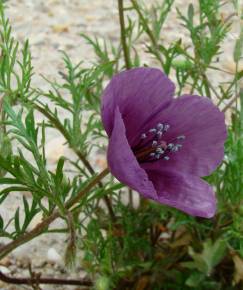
(185, 192)
(137, 93)
(203, 125)
(122, 162)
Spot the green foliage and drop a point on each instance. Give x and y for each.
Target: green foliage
(148, 246)
(211, 255)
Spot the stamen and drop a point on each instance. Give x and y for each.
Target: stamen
(170, 145)
(159, 134)
(154, 144)
(154, 147)
(174, 149)
(166, 127)
(153, 130)
(159, 150)
(160, 126)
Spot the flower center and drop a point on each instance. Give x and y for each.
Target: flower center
(152, 146)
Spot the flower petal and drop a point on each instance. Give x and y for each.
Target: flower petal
(137, 93)
(184, 192)
(122, 162)
(204, 128)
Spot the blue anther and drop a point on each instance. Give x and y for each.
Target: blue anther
(174, 149)
(170, 145)
(160, 126)
(159, 150)
(166, 127)
(153, 130)
(166, 158)
(154, 143)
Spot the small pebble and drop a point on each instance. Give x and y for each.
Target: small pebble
(4, 270)
(53, 256)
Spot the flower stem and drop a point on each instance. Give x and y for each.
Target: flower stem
(123, 35)
(41, 227)
(38, 280)
(148, 31)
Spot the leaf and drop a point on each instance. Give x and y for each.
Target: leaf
(190, 13)
(238, 49)
(241, 109)
(16, 221)
(28, 170)
(195, 279)
(59, 170)
(6, 180)
(30, 212)
(211, 255)
(8, 110)
(5, 149)
(30, 126)
(1, 223)
(13, 188)
(238, 271)
(26, 206)
(102, 283)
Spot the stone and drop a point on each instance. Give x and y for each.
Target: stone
(4, 270)
(53, 256)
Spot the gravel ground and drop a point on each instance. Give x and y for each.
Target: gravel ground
(51, 26)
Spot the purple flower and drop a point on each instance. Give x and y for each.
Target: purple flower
(161, 146)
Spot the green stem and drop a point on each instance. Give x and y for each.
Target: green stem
(232, 101)
(144, 22)
(2, 116)
(41, 227)
(148, 31)
(123, 35)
